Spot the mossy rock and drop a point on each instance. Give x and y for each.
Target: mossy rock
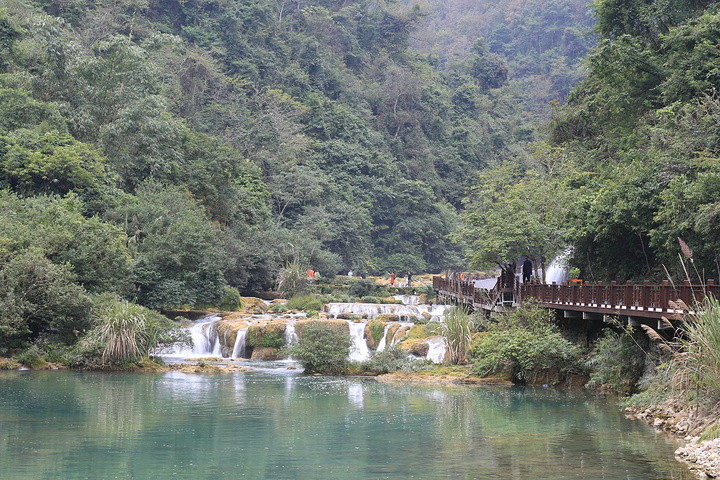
(266, 334)
(345, 316)
(388, 317)
(254, 305)
(417, 331)
(390, 334)
(391, 300)
(340, 325)
(373, 333)
(265, 353)
(423, 298)
(416, 346)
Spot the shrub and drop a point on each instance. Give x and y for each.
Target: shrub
(362, 287)
(305, 303)
(259, 337)
(293, 280)
(31, 357)
(616, 361)
(377, 328)
(519, 353)
(231, 299)
(392, 359)
(523, 342)
(126, 332)
(322, 349)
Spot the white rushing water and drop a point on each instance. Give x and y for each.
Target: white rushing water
(359, 351)
(207, 343)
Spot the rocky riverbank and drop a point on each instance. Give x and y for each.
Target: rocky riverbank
(689, 422)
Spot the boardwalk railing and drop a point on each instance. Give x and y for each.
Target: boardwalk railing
(637, 300)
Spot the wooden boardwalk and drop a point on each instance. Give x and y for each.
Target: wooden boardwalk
(633, 303)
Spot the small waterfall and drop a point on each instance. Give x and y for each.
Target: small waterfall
(360, 351)
(290, 334)
(381, 344)
(408, 299)
(205, 337)
(239, 348)
(436, 352)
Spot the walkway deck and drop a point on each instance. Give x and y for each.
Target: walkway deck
(634, 303)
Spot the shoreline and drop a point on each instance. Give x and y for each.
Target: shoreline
(686, 422)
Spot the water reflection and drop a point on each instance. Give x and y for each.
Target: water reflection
(281, 425)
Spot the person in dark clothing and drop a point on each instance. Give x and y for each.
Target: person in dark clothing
(527, 270)
(409, 279)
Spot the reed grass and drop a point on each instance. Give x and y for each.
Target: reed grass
(699, 363)
(457, 330)
(124, 332)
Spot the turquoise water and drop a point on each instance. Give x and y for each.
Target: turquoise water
(283, 425)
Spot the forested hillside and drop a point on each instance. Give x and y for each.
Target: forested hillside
(163, 151)
(629, 176)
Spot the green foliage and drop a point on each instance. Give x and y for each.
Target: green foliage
(264, 338)
(179, 255)
(231, 299)
(616, 361)
(293, 280)
(392, 359)
(37, 295)
(322, 349)
(126, 332)
(362, 287)
(377, 328)
(699, 367)
(31, 357)
(306, 303)
(523, 344)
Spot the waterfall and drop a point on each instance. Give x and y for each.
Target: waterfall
(557, 271)
(359, 351)
(290, 334)
(239, 348)
(381, 344)
(205, 337)
(436, 352)
(408, 299)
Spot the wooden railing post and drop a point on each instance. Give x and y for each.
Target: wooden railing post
(665, 296)
(628, 294)
(646, 295)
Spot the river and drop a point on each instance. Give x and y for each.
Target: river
(275, 423)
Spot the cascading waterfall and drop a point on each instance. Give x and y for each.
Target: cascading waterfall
(205, 337)
(206, 342)
(360, 351)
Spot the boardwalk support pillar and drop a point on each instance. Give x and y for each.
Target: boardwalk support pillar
(634, 321)
(571, 314)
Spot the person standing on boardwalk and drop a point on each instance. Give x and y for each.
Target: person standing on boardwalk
(527, 270)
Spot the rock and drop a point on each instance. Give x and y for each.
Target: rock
(254, 305)
(373, 333)
(264, 353)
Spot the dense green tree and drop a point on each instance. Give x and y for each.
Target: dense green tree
(179, 255)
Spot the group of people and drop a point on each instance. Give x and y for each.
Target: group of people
(313, 276)
(527, 269)
(393, 277)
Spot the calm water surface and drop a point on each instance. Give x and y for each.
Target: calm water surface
(283, 425)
